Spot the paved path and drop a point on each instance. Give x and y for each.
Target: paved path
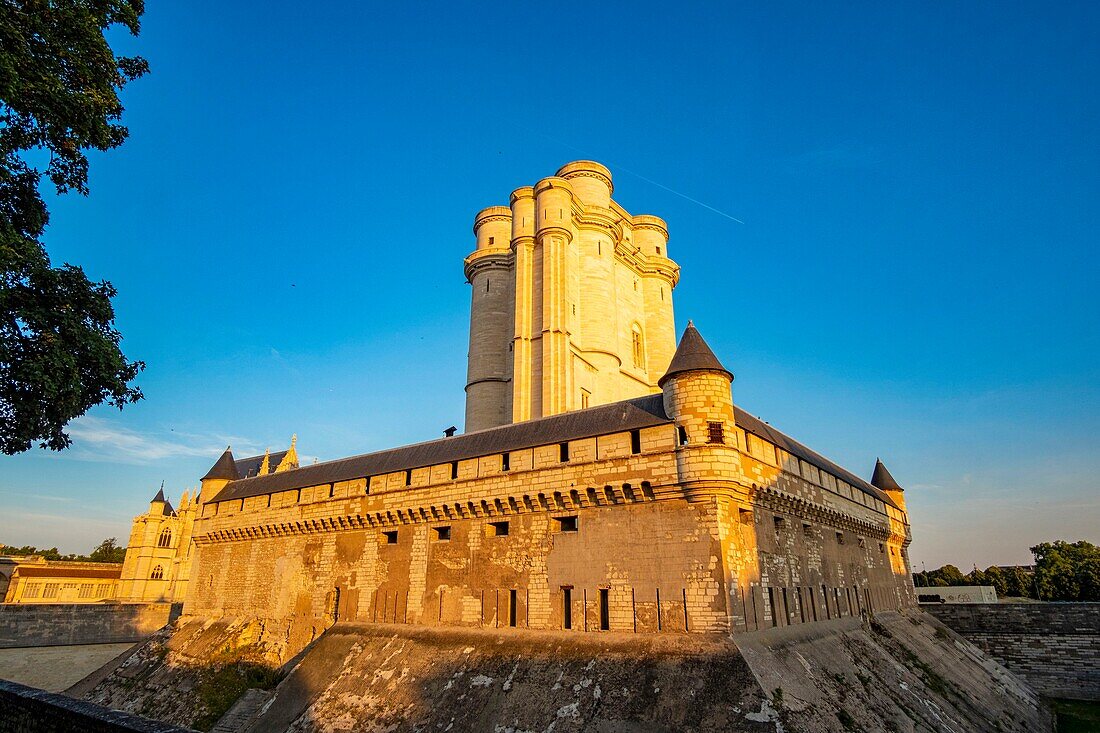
(55, 668)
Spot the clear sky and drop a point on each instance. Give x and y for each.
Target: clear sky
(915, 278)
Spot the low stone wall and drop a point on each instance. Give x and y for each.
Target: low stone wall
(1055, 647)
(63, 624)
(27, 710)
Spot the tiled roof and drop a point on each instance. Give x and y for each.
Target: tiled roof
(109, 571)
(692, 355)
(618, 417)
(882, 479)
(248, 467)
(224, 468)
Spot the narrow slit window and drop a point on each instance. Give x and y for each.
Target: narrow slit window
(505, 461)
(366, 487)
(635, 441)
(682, 434)
(408, 476)
(715, 433)
(807, 529)
(563, 452)
(779, 524)
(454, 470)
(840, 538)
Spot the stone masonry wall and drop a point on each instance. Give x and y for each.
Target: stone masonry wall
(1054, 646)
(80, 623)
(27, 710)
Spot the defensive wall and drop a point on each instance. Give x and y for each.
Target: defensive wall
(472, 543)
(27, 710)
(1055, 647)
(899, 672)
(64, 624)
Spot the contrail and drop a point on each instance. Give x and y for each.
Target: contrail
(624, 169)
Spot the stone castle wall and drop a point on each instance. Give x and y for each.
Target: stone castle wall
(494, 548)
(1054, 646)
(63, 624)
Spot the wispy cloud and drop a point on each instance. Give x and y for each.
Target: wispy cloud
(97, 439)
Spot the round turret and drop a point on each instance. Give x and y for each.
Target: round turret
(590, 180)
(523, 212)
(651, 235)
(553, 204)
(493, 227)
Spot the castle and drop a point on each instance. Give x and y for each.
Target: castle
(605, 481)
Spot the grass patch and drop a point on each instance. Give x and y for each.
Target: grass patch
(1076, 716)
(847, 720)
(221, 686)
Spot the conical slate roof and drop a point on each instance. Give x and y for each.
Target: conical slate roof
(160, 495)
(225, 468)
(881, 478)
(693, 355)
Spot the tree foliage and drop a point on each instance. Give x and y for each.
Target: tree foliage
(106, 551)
(59, 84)
(1063, 571)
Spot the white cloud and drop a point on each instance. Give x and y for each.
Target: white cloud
(97, 439)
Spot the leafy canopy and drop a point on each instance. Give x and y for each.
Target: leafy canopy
(1063, 571)
(59, 84)
(106, 551)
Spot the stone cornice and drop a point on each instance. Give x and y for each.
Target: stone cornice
(487, 259)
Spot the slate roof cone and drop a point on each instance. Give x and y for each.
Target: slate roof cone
(225, 468)
(693, 355)
(160, 495)
(881, 478)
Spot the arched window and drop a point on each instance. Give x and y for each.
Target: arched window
(638, 347)
(165, 539)
(158, 573)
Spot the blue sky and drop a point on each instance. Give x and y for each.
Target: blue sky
(915, 277)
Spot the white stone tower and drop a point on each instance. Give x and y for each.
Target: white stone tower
(571, 304)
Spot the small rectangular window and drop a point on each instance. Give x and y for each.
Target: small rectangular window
(408, 476)
(682, 434)
(840, 538)
(715, 433)
(442, 533)
(748, 443)
(454, 470)
(505, 462)
(563, 452)
(635, 441)
(745, 515)
(491, 239)
(566, 524)
(499, 529)
(881, 548)
(807, 529)
(331, 490)
(658, 251)
(366, 488)
(391, 537)
(585, 398)
(778, 524)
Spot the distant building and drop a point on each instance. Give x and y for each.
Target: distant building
(158, 554)
(957, 594)
(33, 579)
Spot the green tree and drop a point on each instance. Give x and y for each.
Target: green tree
(59, 84)
(108, 551)
(1067, 571)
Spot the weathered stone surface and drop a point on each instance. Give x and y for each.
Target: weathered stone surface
(1054, 646)
(28, 710)
(64, 624)
(901, 672)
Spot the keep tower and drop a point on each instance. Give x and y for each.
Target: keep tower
(571, 302)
